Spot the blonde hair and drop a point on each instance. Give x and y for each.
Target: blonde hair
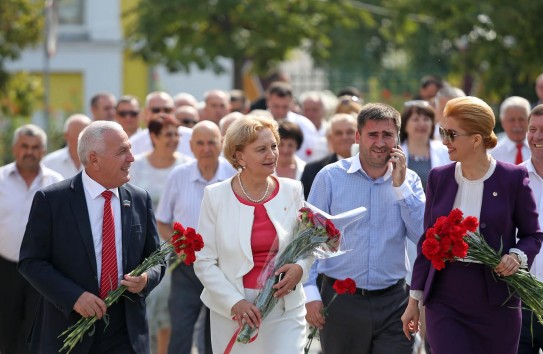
(474, 116)
(243, 132)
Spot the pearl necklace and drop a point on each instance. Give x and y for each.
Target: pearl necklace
(247, 195)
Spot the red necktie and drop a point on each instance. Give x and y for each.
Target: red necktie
(518, 158)
(109, 274)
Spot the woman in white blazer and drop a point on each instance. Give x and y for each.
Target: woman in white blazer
(243, 221)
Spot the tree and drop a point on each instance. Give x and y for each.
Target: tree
(495, 43)
(179, 33)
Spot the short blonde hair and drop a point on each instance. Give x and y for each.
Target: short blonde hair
(475, 116)
(243, 132)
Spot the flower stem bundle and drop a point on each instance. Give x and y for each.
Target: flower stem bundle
(184, 242)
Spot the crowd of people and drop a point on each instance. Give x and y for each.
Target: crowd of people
(75, 221)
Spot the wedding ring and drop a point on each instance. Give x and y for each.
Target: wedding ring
(244, 314)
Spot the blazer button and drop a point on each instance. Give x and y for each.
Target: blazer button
(482, 225)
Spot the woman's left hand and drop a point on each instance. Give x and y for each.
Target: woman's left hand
(509, 265)
(293, 275)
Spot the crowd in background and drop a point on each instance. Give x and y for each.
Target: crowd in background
(177, 146)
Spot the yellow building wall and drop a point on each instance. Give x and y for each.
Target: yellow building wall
(135, 71)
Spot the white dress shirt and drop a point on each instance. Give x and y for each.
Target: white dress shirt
(184, 191)
(506, 150)
(310, 136)
(15, 202)
(141, 142)
(536, 183)
(95, 205)
(61, 162)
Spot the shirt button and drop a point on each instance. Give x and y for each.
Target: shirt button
(483, 225)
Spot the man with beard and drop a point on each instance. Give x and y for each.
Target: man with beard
(19, 181)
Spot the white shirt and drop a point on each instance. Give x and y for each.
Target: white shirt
(310, 136)
(95, 205)
(61, 162)
(506, 150)
(184, 192)
(15, 202)
(141, 142)
(536, 183)
(146, 176)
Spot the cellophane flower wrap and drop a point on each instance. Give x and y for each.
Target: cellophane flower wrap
(347, 286)
(316, 234)
(453, 237)
(183, 242)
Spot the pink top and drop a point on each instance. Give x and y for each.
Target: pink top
(264, 242)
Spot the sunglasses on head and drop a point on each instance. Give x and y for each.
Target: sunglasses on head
(166, 110)
(125, 114)
(449, 134)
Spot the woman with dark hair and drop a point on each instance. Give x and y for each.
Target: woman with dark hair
(467, 309)
(416, 132)
(289, 165)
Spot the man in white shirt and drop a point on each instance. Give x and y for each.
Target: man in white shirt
(279, 100)
(513, 147)
(127, 114)
(531, 337)
(180, 202)
(19, 181)
(217, 105)
(65, 160)
(159, 103)
(313, 108)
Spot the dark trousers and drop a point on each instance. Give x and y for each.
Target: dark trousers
(531, 334)
(185, 305)
(113, 338)
(18, 305)
(364, 324)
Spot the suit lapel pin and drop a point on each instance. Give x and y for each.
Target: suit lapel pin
(495, 194)
(126, 203)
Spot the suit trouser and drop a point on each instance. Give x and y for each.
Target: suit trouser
(365, 323)
(18, 305)
(531, 334)
(185, 305)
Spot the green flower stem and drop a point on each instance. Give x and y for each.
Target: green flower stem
(313, 332)
(75, 333)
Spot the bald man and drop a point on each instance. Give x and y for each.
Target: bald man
(187, 116)
(159, 103)
(189, 180)
(217, 105)
(66, 161)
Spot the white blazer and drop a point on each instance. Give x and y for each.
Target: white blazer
(439, 155)
(225, 225)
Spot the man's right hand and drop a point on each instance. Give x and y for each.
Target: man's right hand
(314, 314)
(89, 305)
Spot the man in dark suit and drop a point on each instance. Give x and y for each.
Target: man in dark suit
(341, 136)
(83, 236)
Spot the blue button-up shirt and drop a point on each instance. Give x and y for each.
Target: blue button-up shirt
(376, 243)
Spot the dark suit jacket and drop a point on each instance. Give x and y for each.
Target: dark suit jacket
(508, 204)
(57, 257)
(311, 170)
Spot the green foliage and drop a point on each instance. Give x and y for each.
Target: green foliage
(180, 33)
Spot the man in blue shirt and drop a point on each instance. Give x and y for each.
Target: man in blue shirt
(377, 178)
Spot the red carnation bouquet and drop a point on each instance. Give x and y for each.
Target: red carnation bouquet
(347, 286)
(184, 242)
(315, 234)
(452, 237)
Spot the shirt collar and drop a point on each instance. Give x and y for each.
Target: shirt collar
(220, 175)
(94, 188)
(357, 166)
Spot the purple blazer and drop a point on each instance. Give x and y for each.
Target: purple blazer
(508, 204)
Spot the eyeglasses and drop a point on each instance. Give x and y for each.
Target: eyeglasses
(125, 114)
(166, 110)
(188, 122)
(345, 100)
(449, 134)
(417, 103)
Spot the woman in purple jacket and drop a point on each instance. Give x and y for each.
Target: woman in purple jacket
(468, 310)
